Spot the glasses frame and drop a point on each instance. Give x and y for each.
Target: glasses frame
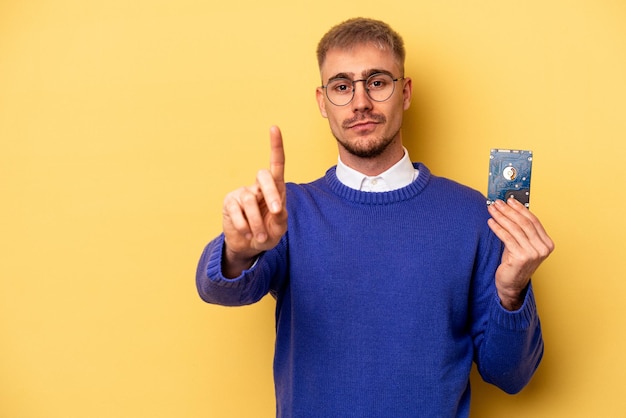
(365, 83)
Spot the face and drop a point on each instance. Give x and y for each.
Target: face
(364, 128)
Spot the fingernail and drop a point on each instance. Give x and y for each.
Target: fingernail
(261, 237)
(275, 207)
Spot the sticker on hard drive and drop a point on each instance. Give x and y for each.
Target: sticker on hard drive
(509, 175)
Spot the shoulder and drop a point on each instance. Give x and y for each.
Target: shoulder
(305, 194)
(313, 187)
(449, 186)
(442, 191)
(454, 189)
(321, 185)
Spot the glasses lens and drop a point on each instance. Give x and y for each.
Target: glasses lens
(340, 91)
(380, 87)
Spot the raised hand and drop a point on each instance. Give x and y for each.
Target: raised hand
(526, 246)
(254, 217)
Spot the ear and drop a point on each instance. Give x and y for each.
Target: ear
(407, 92)
(321, 101)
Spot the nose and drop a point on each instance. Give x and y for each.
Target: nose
(361, 100)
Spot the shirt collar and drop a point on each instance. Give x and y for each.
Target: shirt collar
(398, 176)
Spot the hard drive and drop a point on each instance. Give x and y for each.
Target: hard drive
(509, 175)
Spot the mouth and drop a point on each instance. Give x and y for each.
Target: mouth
(363, 127)
(361, 124)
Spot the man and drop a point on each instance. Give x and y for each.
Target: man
(389, 280)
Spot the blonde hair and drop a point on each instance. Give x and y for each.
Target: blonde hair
(359, 31)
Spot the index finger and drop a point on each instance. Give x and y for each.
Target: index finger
(277, 155)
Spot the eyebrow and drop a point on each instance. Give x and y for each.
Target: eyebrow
(365, 74)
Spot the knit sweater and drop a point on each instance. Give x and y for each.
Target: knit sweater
(383, 301)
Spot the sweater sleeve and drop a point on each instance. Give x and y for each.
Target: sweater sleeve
(512, 346)
(508, 344)
(262, 278)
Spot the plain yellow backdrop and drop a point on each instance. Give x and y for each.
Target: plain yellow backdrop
(123, 124)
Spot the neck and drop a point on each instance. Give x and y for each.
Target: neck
(375, 165)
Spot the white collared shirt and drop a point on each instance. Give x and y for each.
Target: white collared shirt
(398, 176)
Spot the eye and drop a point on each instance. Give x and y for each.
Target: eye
(378, 81)
(340, 86)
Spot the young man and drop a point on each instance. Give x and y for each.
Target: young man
(389, 280)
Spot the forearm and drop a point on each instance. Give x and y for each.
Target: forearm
(512, 346)
(212, 283)
(265, 274)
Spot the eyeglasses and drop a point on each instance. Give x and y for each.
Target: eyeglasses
(379, 87)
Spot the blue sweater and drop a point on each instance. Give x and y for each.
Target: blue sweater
(384, 300)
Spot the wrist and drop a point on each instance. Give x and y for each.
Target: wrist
(512, 300)
(511, 304)
(234, 263)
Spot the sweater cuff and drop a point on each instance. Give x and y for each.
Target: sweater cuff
(519, 320)
(214, 267)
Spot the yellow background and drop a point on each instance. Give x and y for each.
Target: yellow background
(123, 124)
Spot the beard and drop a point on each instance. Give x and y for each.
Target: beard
(366, 147)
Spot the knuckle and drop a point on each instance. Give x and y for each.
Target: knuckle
(248, 198)
(230, 203)
(229, 197)
(234, 195)
(230, 209)
(545, 252)
(525, 223)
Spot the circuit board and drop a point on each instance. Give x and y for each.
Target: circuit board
(509, 175)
